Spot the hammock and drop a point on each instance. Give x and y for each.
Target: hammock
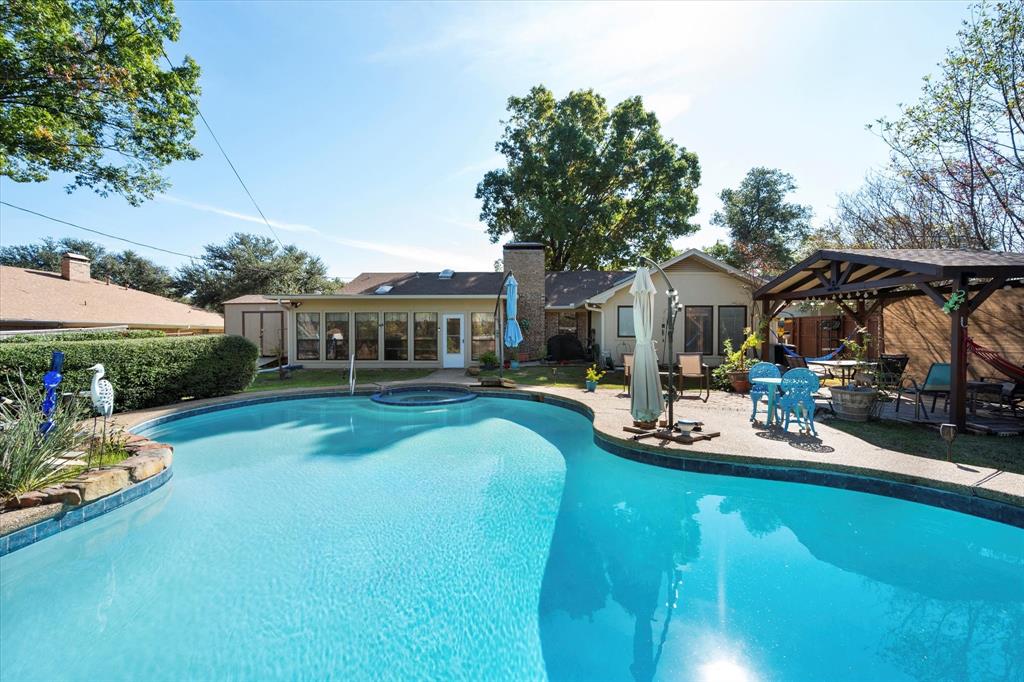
(829, 356)
(996, 361)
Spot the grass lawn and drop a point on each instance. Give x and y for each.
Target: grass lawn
(316, 378)
(985, 451)
(556, 375)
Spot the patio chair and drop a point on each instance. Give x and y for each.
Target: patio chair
(627, 372)
(757, 391)
(890, 372)
(691, 366)
(936, 383)
(799, 387)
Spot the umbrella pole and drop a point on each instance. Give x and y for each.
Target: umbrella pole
(670, 320)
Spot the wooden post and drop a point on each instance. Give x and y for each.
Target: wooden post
(958, 359)
(766, 311)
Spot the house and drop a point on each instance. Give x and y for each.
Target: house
(34, 300)
(446, 319)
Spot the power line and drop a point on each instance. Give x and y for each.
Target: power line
(227, 158)
(104, 234)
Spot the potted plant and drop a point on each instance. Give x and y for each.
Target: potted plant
(854, 401)
(736, 366)
(489, 360)
(594, 375)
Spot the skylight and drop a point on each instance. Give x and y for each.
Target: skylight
(384, 289)
(446, 274)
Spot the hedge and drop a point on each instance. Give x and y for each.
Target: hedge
(84, 336)
(144, 372)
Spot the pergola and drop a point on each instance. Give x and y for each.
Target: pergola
(859, 281)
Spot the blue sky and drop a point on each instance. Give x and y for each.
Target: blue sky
(362, 129)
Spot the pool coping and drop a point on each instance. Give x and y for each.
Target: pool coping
(74, 516)
(1008, 508)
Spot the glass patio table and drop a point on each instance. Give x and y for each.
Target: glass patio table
(845, 368)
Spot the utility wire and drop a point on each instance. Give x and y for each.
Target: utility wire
(227, 158)
(104, 234)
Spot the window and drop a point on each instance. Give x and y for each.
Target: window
(424, 342)
(396, 336)
(732, 320)
(367, 342)
(307, 336)
(337, 336)
(483, 334)
(567, 323)
(699, 332)
(625, 321)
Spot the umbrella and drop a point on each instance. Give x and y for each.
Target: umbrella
(513, 335)
(646, 403)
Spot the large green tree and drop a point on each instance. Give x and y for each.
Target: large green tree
(82, 92)
(598, 188)
(251, 264)
(765, 230)
(126, 268)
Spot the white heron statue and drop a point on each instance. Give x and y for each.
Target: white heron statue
(101, 392)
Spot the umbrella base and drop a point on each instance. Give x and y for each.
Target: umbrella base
(673, 434)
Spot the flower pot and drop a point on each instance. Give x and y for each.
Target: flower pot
(853, 404)
(740, 381)
(591, 386)
(514, 364)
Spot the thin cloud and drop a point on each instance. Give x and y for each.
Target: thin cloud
(410, 252)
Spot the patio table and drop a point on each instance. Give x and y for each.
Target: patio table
(846, 368)
(772, 384)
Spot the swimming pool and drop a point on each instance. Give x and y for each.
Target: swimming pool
(336, 538)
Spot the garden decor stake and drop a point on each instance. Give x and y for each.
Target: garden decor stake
(101, 392)
(51, 380)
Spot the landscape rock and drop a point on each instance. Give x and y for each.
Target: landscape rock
(31, 499)
(69, 496)
(473, 371)
(99, 483)
(16, 519)
(141, 467)
(162, 450)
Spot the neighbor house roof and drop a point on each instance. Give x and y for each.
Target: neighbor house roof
(571, 288)
(46, 297)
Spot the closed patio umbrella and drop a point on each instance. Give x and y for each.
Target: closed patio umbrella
(513, 334)
(646, 402)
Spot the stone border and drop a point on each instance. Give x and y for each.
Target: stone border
(78, 515)
(953, 500)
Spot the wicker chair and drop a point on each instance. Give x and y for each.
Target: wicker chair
(627, 372)
(691, 366)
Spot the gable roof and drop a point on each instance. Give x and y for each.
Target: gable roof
(417, 284)
(697, 254)
(251, 298)
(571, 288)
(46, 297)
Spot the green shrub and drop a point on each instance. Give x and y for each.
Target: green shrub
(144, 372)
(28, 460)
(83, 336)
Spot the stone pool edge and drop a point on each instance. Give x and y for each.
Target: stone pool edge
(943, 494)
(76, 516)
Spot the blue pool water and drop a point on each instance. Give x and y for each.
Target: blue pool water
(491, 540)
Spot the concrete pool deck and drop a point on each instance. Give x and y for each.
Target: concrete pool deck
(741, 443)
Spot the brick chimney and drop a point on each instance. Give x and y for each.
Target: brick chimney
(74, 267)
(526, 261)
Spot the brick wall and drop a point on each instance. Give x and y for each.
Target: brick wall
(919, 328)
(526, 261)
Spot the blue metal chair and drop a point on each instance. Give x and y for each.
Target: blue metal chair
(760, 371)
(798, 388)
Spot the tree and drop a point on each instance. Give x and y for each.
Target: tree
(251, 264)
(956, 171)
(598, 188)
(127, 268)
(765, 230)
(82, 92)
